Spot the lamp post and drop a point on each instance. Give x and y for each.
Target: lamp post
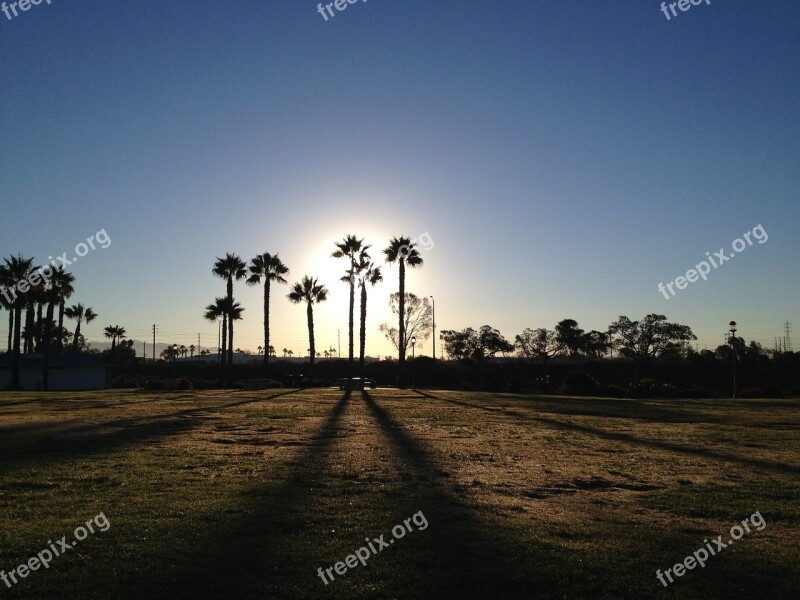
(434, 327)
(413, 355)
(732, 327)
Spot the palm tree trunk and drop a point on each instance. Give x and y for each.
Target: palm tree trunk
(10, 327)
(266, 326)
(30, 321)
(363, 332)
(48, 332)
(312, 349)
(15, 385)
(224, 355)
(60, 345)
(402, 328)
(352, 309)
(230, 320)
(40, 329)
(76, 337)
(230, 344)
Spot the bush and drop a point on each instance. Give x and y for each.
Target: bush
(616, 391)
(155, 385)
(647, 388)
(579, 384)
(692, 392)
(200, 383)
(125, 381)
(769, 391)
(184, 385)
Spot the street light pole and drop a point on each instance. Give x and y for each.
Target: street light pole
(413, 355)
(732, 327)
(434, 327)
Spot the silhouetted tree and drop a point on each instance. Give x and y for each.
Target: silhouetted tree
(270, 269)
(418, 319)
(368, 274)
(81, 315)
(349, 249)
(62, 285)
(570, 337)
(469, 344)
(229, 268)
(539, 343)
(645, 340)
(213, 312)
(404, 252)
(310, 291)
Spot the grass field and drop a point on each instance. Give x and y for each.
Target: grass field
(246, 494)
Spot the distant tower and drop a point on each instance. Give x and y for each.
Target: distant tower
(787, 330)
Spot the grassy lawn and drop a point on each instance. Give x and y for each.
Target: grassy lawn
(245, 495)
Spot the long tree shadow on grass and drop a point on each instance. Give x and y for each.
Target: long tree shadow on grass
(47, 444)
(761, 465)
(246, 553)
(648, 409)
(462, 554)
(50, 442)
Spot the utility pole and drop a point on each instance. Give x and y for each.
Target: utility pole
(787, 329)
(144, 352)
(154, 343)
(198, 344)
(339, 338)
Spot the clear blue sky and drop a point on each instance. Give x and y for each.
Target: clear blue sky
(565, 157)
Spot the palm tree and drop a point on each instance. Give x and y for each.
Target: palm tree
(115, 332)
(17, 269)
(310, 291)
(6, 301)
(34, 300)
(61, 282)
(191, 351)
(213, 312)
(80, 314)
(183, 350)
(229, 268)
(349, 248)
(234, 311)
(111, 333)
(53, 297)
(290, 353)
(404, 252)
(269, 268)
(370, 274)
